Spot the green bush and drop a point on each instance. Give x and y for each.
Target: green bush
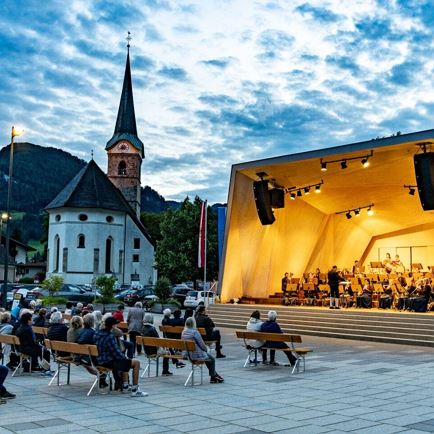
(162, 289)
(53, 284)
(26, 280)
(53, 301)
(106, 286)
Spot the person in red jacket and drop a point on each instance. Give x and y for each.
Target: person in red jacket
(119, 313)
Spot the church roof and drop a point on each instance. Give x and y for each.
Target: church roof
(91, 188)
(126, 128)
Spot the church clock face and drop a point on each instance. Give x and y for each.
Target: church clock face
(123, 146)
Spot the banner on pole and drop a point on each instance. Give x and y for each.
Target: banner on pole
(201, 258)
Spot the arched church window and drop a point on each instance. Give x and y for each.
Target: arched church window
(122, 168)
(108, 254)
(81, 241)
(57, 218)
(56, 252)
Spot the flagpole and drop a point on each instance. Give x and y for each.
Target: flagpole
(205, 249)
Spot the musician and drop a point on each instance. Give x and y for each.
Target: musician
(398, 265)
(419, 303)
(334, 277)
(387, 263)
(387, 297)
(317, 276)
(365, 300)
(286, 280)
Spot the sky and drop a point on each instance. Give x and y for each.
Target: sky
(216, 82)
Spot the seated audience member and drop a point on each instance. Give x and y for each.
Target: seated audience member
(39, 320)
(272, 326)
(188, 313)
(177, 320)
(254, 324)
(28, 343)
(150, 331)
(98, 318)
(111, 357)
(48, 316)
(87, 309)
(4, 394)
(87, 333)
(68, 308)
(6, 328)
(365, 299)
(167, 313)
(75, 327)
(57, 330)
(212, 334)
(135, 323)
(18, 323)
(77, 309)
(124, 345)
(190, 333)
(119, 313)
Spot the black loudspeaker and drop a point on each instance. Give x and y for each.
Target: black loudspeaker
(277, 197)
(263, 202)
(424, 168)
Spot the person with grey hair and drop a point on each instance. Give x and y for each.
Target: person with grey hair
(271, 326)
(57, 330)
(88, 331)
(75, 327)
(135, 324)
(6, 328)
(190, 333)
(77, 309)
(151, 332)
(98, 318)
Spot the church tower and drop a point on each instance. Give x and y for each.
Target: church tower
(125, 150)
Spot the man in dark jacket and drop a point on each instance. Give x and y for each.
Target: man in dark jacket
(57, 330)
(333, 280)
(212, 334)
(28, 344)
(272, 326)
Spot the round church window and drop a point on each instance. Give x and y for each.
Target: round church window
(82, 217)
(109, 219)
(57, 218)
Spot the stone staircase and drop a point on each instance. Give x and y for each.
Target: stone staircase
(360, 324)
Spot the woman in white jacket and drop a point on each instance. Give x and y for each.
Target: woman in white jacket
(254, 325)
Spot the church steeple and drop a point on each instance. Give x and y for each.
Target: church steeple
(126, 128)
(125, 150)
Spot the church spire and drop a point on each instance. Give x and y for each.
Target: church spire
(126, 128)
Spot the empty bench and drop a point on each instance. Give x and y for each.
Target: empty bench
(290, 340)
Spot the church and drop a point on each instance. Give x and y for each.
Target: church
(94, 222)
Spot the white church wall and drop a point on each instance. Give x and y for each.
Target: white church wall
(144, 266)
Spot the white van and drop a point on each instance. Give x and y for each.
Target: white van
(195, 298)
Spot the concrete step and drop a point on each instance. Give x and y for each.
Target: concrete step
(399, 328)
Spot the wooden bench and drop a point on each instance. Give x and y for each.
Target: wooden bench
(14, 342)
(40, 331)
(274, 337)
(177, 330)
(166, 345)
(69, 350)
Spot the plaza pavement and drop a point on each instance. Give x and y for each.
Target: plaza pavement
(348, 386)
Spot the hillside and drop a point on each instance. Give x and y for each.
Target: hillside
(39, 175)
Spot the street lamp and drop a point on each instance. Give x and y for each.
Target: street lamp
(14, 133)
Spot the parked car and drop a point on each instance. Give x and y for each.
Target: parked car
(195, 298)
(68, 291)
(179, 292)
(120, 296)
(144, 295)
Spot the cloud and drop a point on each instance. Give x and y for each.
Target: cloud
(273, 42)
(173, 73)
(318, 14)
(218, 63)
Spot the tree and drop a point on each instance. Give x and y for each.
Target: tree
(151, 221)
(106, 286)
(53, 284)
(176, 254)
(162, 289)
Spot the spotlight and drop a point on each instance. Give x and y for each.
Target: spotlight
(323, 166)
(299, 193)
(411, 191)
(306, 190)
(370, 211)
(293, 196)
(365, 162)
(344, 164)
(318, 189)
(356, 212)
(348, 214)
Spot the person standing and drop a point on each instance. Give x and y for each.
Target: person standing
(4, 394)
(135, 324)
(119, 313)
(286, 280)
(333, 280)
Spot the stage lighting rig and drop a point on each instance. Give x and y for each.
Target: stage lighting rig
(295, 192)
(356, 211)
(411, 189)
(364, 159)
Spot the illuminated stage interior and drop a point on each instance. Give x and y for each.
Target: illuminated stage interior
(307, 232)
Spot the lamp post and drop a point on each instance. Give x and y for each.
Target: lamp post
(14, 133)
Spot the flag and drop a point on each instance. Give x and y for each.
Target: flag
(201, 256)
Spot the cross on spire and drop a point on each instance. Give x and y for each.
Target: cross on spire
(128, 38)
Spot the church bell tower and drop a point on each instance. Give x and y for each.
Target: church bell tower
(125, 150)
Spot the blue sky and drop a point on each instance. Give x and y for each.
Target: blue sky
(216, 82)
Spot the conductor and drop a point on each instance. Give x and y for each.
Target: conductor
(333, 280)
